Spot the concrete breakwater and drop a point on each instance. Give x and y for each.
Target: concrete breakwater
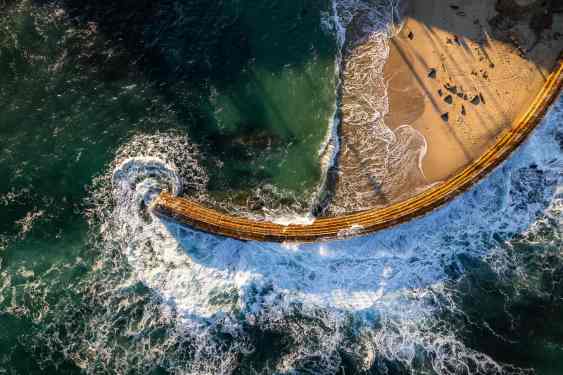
(195, 215)
(461, 90)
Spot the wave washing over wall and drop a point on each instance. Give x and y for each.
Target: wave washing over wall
(376, 302)
(153, 297)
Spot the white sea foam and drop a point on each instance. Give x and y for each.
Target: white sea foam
(392, 282)
(392, 277)
(157, 176)
(293, 219)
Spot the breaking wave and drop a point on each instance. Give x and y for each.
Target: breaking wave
(384, 301)
(159, 297)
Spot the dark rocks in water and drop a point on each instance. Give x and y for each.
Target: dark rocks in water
(541, 20)
(260, 140)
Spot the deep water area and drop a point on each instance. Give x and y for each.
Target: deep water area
(233, 103)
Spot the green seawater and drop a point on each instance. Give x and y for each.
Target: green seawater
(78, 79)
(252, 84)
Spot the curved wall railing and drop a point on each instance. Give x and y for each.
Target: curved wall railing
(202, 218)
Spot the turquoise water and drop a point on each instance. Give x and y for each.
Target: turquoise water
(256, 99)
(230, 98)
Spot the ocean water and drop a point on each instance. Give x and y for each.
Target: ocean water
(103, 104)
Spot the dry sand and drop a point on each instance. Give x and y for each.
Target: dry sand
(459, 73)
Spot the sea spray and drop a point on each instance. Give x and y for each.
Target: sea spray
(160, 297)
(385, 301)
(404, 300)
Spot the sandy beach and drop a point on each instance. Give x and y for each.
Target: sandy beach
(457, 75)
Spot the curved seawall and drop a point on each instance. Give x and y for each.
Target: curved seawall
(199, 217)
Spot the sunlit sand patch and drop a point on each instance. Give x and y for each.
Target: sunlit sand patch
(422, 101)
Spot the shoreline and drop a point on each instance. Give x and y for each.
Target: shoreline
(447, 109)
(201, 218)
(455, 81)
